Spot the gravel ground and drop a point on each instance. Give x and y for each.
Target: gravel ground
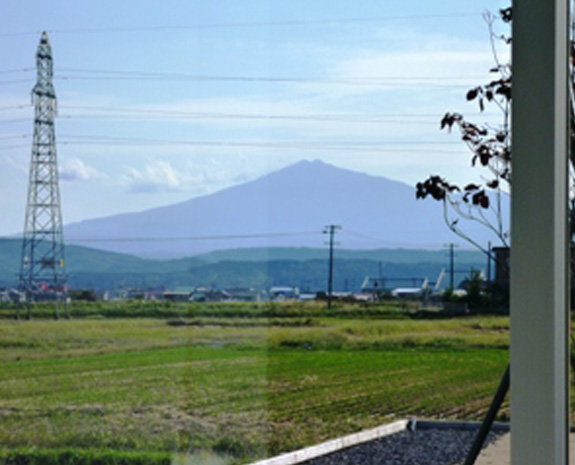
(420, 447)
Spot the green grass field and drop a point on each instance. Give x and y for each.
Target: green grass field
(234, 385)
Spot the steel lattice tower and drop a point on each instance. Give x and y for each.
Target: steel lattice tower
(42, 273)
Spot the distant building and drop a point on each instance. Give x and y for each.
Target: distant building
(372, 285)
(283, 293)
(407, 292)
(307, 296)
(5, 296)
(131, 293)
(243, 294)
(501, 265)
(175, 296)
(205, 294)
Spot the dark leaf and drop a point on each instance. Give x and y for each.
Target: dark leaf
(471, 187)
(506, 14)
(471, 94)
(447, 120)
(484, 157)
(476, 198)
(493, 184)
(504, 90)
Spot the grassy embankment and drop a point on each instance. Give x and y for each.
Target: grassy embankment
(242, 380)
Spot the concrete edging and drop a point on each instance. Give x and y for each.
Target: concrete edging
(334, 445)
(325, 448)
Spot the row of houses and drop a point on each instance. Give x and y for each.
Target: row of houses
(372, 288)
(208, 294)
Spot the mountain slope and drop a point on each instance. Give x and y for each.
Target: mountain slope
(81, 261)
(259, 268)
(465, 258)
(286, 208)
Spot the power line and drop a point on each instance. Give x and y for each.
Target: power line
(394, 81)
(399, 81)
(325, 117)
(16, 81)
(346, 117)
(261, 146)
(10, 121)
(254, 24)
(351, 147)
(295, 78)
(14, 147)
(254, 145)
(246, 117)
(320, 116)
(387, 242)
(15, 136)
(15, 107)
(378, 147)
(188, 238)
(138, 140)
(19, 70)
(342, 82)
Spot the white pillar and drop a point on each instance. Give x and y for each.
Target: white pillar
(539, 278)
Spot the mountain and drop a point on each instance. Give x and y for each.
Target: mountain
(260, 268)
(287, 208)
(465, 258)
(86, 266)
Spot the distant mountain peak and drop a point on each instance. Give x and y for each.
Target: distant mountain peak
(308, 165)
(285, 208)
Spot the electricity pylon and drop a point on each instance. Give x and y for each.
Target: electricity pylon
(42, 271)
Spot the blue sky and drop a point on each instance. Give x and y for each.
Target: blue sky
(163, 101)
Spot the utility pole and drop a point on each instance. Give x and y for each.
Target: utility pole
(451, 247)
(42, 272)
(331, 230)
(489, 262)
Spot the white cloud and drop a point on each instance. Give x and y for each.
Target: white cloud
(156, 176)
(76, 170)
(195, 178)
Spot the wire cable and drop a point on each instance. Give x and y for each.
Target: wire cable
(320, 116)
(294, 78)
(383, 241)
(354, 147)
(20, 70)
(16, 107)
(255, 24)
(190, 238)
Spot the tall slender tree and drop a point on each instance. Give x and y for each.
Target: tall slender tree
(490, 149)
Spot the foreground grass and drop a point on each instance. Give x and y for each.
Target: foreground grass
(243, 390)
